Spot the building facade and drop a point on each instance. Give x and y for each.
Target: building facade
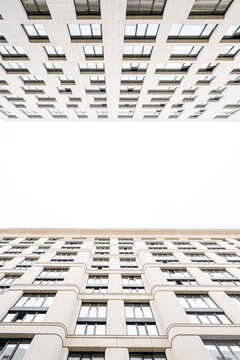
(119, 59)
(119, 295)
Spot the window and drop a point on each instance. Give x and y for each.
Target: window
(201, 309)
(48, 99)
(214, 8)
(7, 280)
(191, 31)
(125, 242)
(97, 284)
(100, 264)
(14, 67)
(162, 89)
(64, 79)
(3, 261)
(199, 258)
(13, 349)
(93, 51)
(235, 298)
(165, 258)
(100, 98)
(81, 113)
(2, 38)
(53, 67)
(31, 113)
(35, 300)
(32, 89)
(213, 245)
(54, 51)
(229, 52)
(207, 67)
(35, 31)
(140, 320)
(102, 241)
(172, 79)
(6, 240)
(146, 356)
(102, 250)
(57, 113)
(40, 250)
(74, 98)
(51, 276)
(128, 264)
(179, 277)
(12, 52)
(132, 79)
(92, 319)
(226, 114)
(217, 90)
(97, 79)
(133, 285)
(140, 67)
(141, 31)
(14, 250)
(233, 258)
(30, 79)
(23, 310)
(196, 114)
(24, 316)
(36, 7)
(129, 98)
(8, 113)
(103, 113)
(92, 67)
(143, 8)
(214, 98)
(221, 277)
(64, 257)
(85, 31)
(130, 89)
(125, 113)
(235, 80)
(72, 245)
(204, 79)
(87, 7)
(50, 241)
(184, 245)
(186, 51)
(152, 113)
(86, 355)
(156, 245)
(26, 263)
(137, 51)
(125, 250)
(174, 67)
(233, 33)
(223, 349)
(28, 241)
(189, 90)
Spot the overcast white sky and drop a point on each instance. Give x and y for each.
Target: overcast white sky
(120, 174)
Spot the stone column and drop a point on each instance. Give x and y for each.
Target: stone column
(230, 308)
(54, 349)
(114, 283)
(116, 325)
(187, 347)
(200, 276)
(64, 309)
(116, 354)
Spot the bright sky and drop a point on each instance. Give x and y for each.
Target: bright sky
(119, 174)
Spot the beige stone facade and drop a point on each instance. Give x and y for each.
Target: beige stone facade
(119, 60)
(120, 294)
